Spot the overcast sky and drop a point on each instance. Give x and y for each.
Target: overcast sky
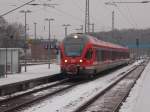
(73, 12)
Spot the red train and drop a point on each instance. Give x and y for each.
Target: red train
(83, 55)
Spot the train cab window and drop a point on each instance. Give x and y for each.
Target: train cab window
(89, 54)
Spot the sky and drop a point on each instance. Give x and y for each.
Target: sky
(73, 12)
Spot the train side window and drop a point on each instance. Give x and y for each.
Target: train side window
(103, 55)
(89, 54)
(113, 55)
(98, 55)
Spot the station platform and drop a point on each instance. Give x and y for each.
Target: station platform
(138, 100)
(35, 75)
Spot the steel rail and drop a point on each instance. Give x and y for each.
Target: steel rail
(116, 108)
(26, 102)
(10, 109)
(105, 90)
(23, 93)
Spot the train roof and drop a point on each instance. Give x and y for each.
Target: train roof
(97, 42)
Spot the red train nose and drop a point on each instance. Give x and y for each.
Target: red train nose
(72, 69)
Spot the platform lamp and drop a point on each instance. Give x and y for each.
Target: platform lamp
(49, 41)
(25, 50)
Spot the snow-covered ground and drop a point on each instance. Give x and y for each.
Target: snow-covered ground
(33, 72)
(138, 100)
(69, 100)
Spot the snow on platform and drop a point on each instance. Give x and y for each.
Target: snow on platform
(138, 100)
(33, 72)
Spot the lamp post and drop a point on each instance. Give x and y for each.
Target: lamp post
(113, 18)
(66, 28)
(49, 41)
(25, 50)
(113, 23)
(87, 17)
(6, 54)
(11, 39)
(35, 31)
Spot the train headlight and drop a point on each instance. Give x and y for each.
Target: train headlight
(75, 36)
(66, 61)
(81, 60)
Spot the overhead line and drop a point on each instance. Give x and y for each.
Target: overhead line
(131, 14)
(82, 10)
(67, 14)
(127, 19)
(16, 8)
(132, 17)
(105, 13)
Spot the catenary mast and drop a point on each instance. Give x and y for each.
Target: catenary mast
(87, 18)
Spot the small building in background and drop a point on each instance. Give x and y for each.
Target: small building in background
(9, 60)
(39, 49)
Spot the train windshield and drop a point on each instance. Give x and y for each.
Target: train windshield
(74, 46)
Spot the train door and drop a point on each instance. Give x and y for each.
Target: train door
(89, 56)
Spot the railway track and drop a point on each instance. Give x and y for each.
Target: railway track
(19, 101)
(22, 101)
(111, 97)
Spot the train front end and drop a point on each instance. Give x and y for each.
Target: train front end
(73, 49)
